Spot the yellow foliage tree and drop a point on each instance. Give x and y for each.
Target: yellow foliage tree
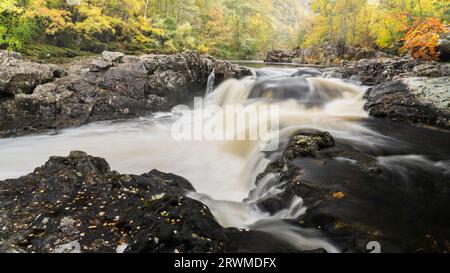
(54, 19)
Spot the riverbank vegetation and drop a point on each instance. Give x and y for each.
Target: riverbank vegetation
(232, 29)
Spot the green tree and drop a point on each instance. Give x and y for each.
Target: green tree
(15, 28)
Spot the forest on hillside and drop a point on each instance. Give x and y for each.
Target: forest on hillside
(233, 29)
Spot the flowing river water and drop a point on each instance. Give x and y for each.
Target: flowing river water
(224, 172)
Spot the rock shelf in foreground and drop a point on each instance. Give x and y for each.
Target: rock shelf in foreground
(77, 204)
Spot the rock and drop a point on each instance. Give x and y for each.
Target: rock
(428, 70)
(168, 223)
(325, 54)
(280, 56)
(99, 65)
(443, 48)
(66, 225)
(313, 55)
(433, 91)
(72, 247)
(402, 88)
(112, 57)
(96, 90)
(19, 76)
(6, 55)
(77, 204)
(416, 100)
(376, 71)
(345, 191)
(308, 142)
(121, 248)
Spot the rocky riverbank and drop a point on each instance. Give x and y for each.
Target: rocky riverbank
(401, 88)
(326, 55)
(38, 97)
(77, 204)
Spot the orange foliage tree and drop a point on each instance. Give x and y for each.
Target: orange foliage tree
(423, 37)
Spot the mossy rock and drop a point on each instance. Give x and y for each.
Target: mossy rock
(50, 53)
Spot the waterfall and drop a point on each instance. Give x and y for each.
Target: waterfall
(223, 172)
(210, 82)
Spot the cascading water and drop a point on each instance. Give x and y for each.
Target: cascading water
(223, 172)
(210, 82)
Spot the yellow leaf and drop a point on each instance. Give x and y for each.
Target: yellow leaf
(338, 195)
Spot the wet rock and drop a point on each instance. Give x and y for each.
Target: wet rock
(97, 89)
(77, 204)
(175, 224)
(344, 191)
(303, 144)
(308, 142)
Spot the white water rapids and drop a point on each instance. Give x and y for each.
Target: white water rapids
(223, 173)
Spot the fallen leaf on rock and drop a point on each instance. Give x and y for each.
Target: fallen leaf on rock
(338, 195)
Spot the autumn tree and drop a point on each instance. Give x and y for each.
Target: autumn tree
(225, 28)
(421, 40)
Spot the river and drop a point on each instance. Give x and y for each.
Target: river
(224, 172)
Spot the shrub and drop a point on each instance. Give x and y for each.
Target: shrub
(422, 38)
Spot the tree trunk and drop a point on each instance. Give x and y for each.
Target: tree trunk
(146, 8)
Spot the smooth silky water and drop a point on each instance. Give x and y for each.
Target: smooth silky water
(224, 172)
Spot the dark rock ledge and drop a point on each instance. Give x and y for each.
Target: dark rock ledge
(353, 201)
(77, 204)
(37, 97)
